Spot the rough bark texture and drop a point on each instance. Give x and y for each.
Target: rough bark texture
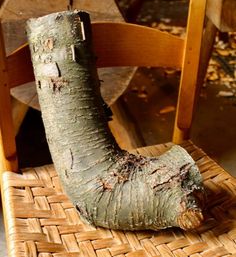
(109, 187)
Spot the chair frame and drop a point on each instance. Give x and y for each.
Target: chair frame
(16, 69)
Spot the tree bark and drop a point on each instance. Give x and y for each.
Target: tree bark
(109, 187)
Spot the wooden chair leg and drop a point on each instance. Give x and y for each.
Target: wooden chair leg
(206, 51)
(188, 81)
(179, 135)
(8, 158)
(207, 44)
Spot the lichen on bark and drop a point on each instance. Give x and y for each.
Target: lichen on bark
(110, 187)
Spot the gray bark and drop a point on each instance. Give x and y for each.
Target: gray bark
(110, 187)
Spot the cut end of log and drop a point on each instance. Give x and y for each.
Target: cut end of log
(190, 219)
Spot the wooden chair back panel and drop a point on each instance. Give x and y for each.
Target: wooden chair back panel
(115, 44)
(123, 44)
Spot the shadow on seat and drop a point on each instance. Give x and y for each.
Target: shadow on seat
(39, 218)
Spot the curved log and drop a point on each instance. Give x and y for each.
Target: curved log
(109, 187)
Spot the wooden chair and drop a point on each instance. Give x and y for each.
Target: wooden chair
(39, 218)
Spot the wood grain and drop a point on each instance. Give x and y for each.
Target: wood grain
(188, 81)
(123, 44)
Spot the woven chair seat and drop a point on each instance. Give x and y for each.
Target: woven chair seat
(41, 221)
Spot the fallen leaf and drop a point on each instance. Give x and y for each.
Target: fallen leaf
(225, 94)
(170, 71)
(167, 109)
(166, 20)
(214, 62)
(223, 52)
(142, 95)
(213, 76)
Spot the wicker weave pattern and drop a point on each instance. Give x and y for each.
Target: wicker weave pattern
(42, 222)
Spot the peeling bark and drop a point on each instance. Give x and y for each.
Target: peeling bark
(110, 187)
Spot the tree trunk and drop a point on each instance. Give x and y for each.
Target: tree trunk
(110, 187)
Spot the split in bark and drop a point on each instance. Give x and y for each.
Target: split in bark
(110, 187)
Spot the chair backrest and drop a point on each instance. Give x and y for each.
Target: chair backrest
(116, 44)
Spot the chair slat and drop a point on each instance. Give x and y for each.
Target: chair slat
(116, 44)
